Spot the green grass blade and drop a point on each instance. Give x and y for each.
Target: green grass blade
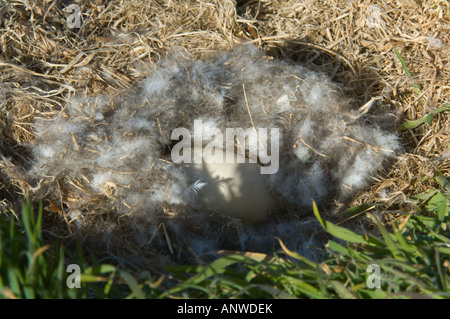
(342, 292)
(136, 290)
(216, 267)
(357, 210)
(406, 248)
(392, 246)
(100, 269)
(443, 278)
(38, 225)
(334, 246)
(14, 279)
(426, 119)
(441, 179)
(303, 287)
(27, 222)
(340, 232)
(442, 211)
(295, 255)
(405, 68)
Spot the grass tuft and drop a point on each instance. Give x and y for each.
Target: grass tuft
(408, 260)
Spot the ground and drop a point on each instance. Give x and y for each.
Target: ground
(389, 56)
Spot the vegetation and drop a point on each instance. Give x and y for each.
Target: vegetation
(413, 259)
(389, 56)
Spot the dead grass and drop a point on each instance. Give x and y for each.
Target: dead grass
(43, 63)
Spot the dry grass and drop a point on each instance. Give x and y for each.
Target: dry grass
(43, 63)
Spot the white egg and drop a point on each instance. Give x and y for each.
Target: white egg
(235, 189)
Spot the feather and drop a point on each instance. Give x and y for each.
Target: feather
(193, 190)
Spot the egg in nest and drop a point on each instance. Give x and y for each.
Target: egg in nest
(112, 154)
